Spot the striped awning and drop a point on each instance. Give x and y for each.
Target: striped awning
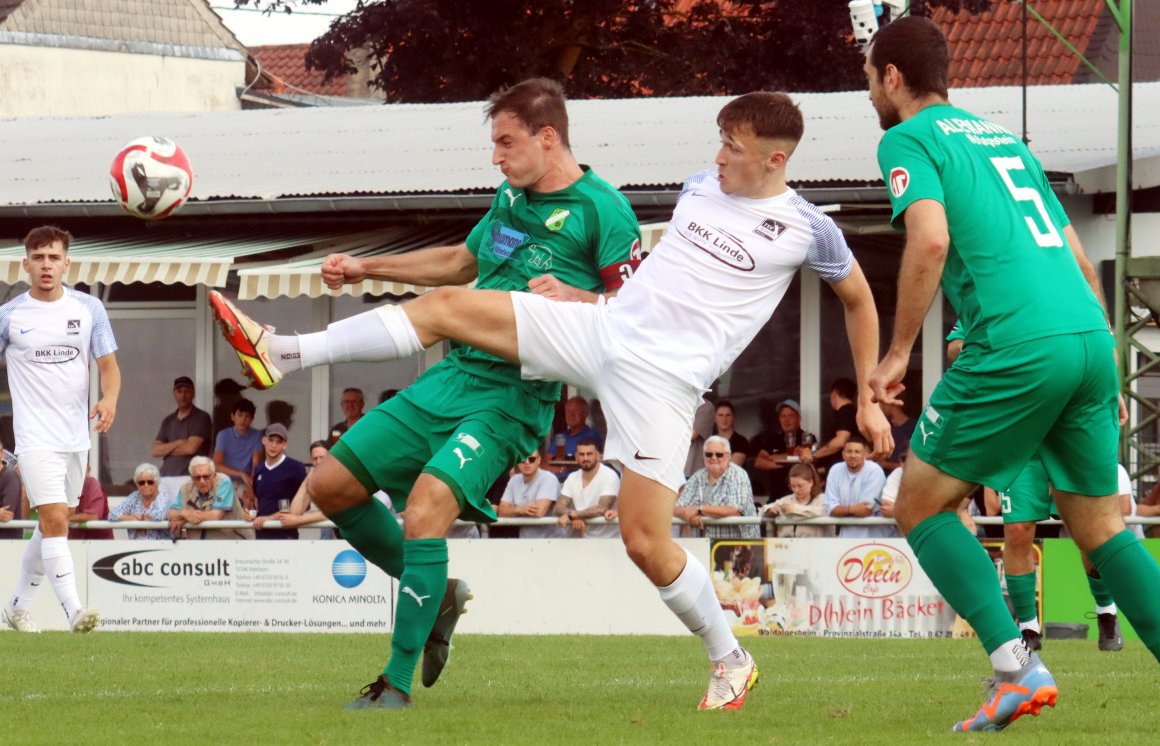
(302, 276)
(172, 258)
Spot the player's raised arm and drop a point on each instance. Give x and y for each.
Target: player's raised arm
(433, 267)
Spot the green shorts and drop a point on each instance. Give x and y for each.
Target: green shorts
(464, 430)
(995, 409)
(1028, 499)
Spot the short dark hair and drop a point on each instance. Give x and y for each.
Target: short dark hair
(857, 438)
(355, 390)
(725, 403)
(587, 442)
(537, 102)
(768, 114)
(244, 405)
(46, 235)
(318, 444)
(916, 46)
(845, 388)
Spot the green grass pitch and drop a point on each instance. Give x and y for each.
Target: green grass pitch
(199, 688)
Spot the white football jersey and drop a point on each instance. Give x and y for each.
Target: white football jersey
(716, 277)
(47, 347)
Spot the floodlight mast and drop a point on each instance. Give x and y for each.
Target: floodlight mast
(867, 16)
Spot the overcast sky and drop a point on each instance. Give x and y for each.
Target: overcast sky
(307, 23)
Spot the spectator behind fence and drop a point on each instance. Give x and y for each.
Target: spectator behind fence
(575, 430)
(276, 481)
(183, 434)
(93, 506)
(353, 403)
(772, 448)
(302, 511)
(806, 500)
(843, 394)
(720, 490)
(723, 426)
(146, 503)
(854, 490)
(208, 496)
(238, 449)
(589, 492)
(531, 493)
(11, 508)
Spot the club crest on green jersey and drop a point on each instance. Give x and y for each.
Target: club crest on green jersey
(555, 221)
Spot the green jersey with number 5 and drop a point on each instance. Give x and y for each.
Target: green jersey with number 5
(1010, 274)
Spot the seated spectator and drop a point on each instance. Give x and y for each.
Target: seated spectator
(806, 500)
(575, 429)
(854, 490)
(530, 493)
(93, 506)
(303, 512)
(774, 448)
(11, 508)
(723, 426)
(588, 493)
(276, 481)
(843, 395)
(890, 494)
(720, 490)
(238, 449)
(208, 496)
(901, 428)
(353, 403)
(146, 503)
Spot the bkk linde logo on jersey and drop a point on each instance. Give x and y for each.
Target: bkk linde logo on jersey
(147, 569)
(722, 246)
(874, 570)
(53, 354)
(899, 181)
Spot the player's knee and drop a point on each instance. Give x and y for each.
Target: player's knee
(1018, 537)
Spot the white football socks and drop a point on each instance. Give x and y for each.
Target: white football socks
(58, 566)
(1106, 609)
(31, 573)
(692, 598)
(374, 336)
(1010, 656)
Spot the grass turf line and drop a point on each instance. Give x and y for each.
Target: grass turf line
(267, 688)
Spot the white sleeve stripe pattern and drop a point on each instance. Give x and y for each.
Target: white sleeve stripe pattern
(694, 180)
(103, 341)
(828, 254)
(6, 317)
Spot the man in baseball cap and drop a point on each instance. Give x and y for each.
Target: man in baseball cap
(183, 434)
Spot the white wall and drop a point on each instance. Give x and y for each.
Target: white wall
(46, 81)
(1098, 232)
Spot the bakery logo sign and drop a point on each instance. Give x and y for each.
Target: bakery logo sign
(874, 570)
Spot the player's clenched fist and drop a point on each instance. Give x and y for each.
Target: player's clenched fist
(342, 269)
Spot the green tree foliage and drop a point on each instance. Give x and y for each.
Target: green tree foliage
(462, 50)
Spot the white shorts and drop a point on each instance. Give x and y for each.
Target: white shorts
(649, 411)
(53, 476)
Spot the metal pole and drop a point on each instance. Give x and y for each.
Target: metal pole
(1123, 192)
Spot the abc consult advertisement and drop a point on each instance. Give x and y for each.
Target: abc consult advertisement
(828, 588)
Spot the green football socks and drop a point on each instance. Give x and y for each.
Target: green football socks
(1099, 589)
(421, 590)
(372, 529)
(964, 574)
(1021, 589)
(1132, 576)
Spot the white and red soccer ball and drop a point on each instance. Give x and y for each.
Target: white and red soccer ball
(151, 177)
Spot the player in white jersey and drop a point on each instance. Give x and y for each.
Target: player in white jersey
(736, 239)
(47, 336)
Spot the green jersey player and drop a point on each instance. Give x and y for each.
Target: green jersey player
(1037, 372)
(554, 228)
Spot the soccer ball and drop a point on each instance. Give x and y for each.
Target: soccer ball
(151, 177)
